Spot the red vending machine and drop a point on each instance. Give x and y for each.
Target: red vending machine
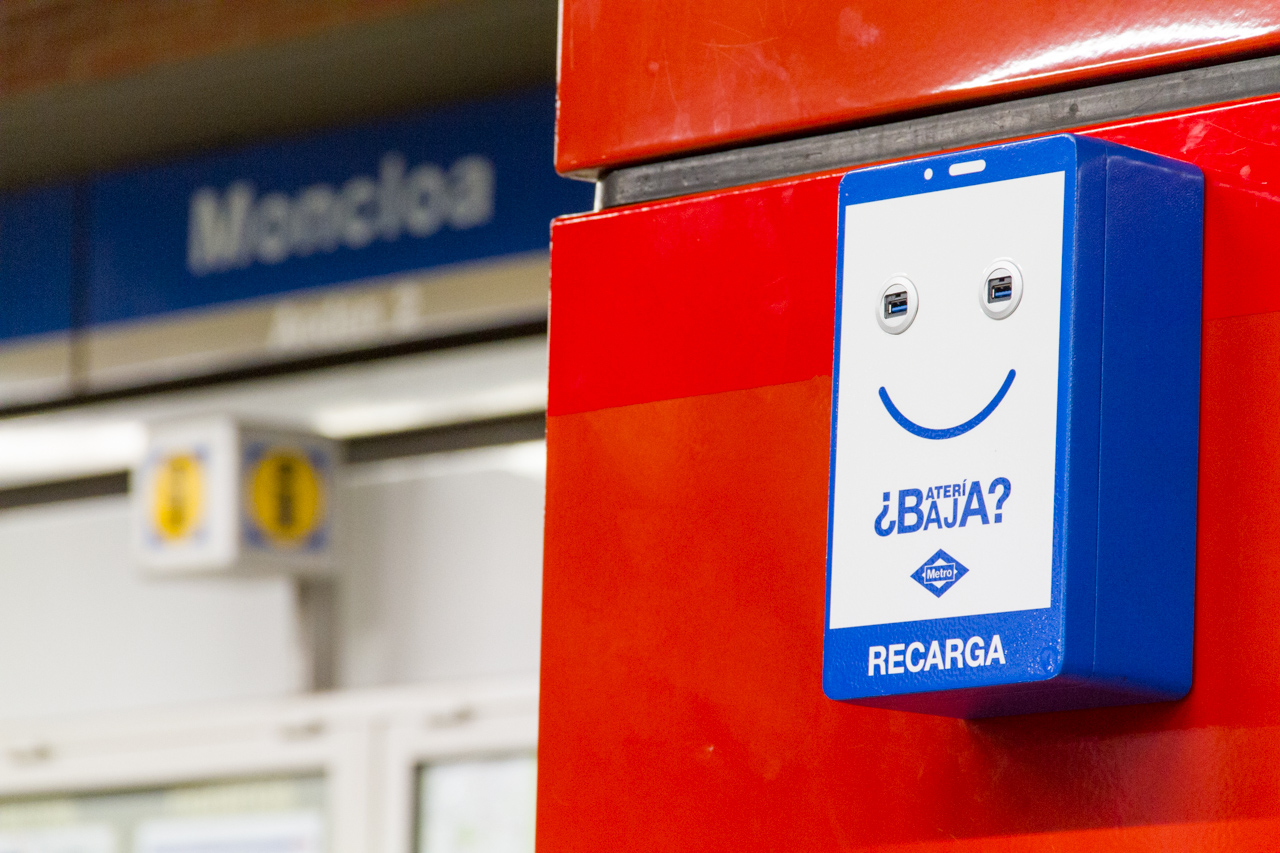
(693, 331)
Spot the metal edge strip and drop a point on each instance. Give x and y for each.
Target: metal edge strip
(283, 367)
(467, 435)
(978, 125)
(489, 432)
(56, 491)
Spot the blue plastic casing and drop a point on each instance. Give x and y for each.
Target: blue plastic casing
(1119, 574)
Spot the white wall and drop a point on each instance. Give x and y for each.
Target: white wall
(82, 631)
(441, 579)
(443, 567)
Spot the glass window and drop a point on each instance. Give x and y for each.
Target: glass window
(260, 815)
(478, 806)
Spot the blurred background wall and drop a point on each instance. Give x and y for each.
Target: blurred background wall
(439, 573)
(322, 216)
(87, 85)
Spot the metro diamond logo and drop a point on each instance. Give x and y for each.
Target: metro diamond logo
(939, 573)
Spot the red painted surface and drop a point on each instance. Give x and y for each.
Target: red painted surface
(686, 511)
(676, 304)
(640, 80)
(735, 290)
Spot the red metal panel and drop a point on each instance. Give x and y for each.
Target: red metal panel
(695, 296)
(641, 80)
(735, 289)
(686, 510)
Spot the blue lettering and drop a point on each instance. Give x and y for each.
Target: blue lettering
(905, 509)
(974, 505)
(1005, 490)
(933, 517)
(887, 529)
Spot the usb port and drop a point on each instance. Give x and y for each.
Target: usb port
(895, 303)
(999, 288)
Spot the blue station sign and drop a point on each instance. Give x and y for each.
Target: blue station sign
(36, 304)
(35, 262)
(451, 185)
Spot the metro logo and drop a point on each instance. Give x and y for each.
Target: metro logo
(939, 573)
(235, 228)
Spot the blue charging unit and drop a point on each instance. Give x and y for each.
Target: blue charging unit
(1015, 416)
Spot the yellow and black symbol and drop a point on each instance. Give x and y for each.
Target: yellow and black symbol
(286, 496)
(177, 505)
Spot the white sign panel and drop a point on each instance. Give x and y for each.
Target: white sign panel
(946, 431)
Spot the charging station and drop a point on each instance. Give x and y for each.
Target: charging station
(1012, 506)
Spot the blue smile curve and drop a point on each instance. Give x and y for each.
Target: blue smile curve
(951, 432)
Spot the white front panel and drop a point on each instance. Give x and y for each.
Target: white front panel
(940, 373)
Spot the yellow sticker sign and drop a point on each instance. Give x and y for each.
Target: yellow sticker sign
(286, 496)
(178, 496)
